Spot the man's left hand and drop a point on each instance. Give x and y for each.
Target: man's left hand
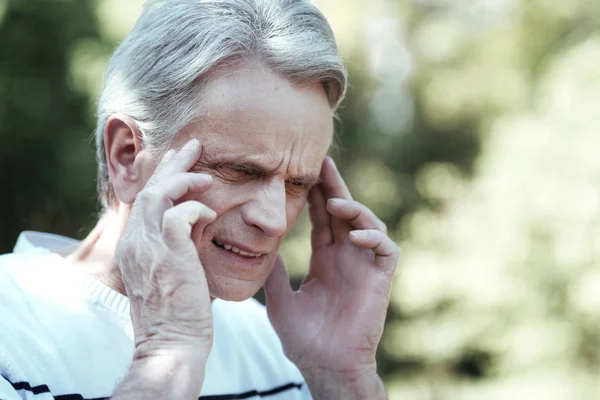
(331, 326)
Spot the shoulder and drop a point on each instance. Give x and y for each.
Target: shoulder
(39, 302)
(16, 270)
(52, 335)
(27, 285)
(19, 305)
(28, 276)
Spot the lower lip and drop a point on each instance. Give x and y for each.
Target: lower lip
(247, 262)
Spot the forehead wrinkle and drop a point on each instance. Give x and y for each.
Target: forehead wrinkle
(254, 162)
(225, 154)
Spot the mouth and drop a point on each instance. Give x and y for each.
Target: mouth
(236, 250)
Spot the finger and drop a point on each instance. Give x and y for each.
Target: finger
(180, 161)
(333, 186)
(178, 221)
(278, 289)
(357, 214)
(183, 183)
(158, 198)
(332, 182)
(165, 160)
(320, 219)
(386, 251)
(168, 156)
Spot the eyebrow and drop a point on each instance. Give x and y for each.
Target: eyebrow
(254, 168)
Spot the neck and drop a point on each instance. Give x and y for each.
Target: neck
(96, 253)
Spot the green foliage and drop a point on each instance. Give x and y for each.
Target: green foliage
(46, 162)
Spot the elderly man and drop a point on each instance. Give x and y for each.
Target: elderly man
(213, 128)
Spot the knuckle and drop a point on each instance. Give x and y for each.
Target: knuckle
(380, 237)
(357, 206)
(174, 225)
(153, 195)
(199, 209)
(171, 218)
(146, 194)
(356, 212)
(195, 206)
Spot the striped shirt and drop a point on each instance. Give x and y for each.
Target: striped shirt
(64, 335)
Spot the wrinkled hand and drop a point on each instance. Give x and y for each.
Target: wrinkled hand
(334, 322)
(160, 266)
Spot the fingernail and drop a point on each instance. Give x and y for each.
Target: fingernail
(337, 201)
(191, 144)
(358, 234)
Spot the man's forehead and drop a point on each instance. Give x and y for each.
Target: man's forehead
(306, 165)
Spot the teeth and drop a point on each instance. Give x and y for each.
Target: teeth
(236, 250)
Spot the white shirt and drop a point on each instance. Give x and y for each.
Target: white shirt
(64, 335)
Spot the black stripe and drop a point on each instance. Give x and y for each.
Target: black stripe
(77, 397)
(40, 389)
(252, 393)
(26, 386)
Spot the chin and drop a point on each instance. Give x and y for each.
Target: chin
(232, 277)
(232, 289)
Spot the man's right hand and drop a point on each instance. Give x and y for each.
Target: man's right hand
(160, 266)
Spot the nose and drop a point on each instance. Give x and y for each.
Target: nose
(266, 209)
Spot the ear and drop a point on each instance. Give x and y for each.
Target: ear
(125, 158)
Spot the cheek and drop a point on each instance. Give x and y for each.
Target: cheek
(294, 207)
(220, 197)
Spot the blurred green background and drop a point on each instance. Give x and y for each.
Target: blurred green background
(470, 127)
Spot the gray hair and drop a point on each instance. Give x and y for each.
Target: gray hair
(156, 74)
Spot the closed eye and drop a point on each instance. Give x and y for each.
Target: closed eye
(237, 171)
(299, 187)
(297, 182)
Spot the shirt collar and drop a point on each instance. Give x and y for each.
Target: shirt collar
(32, 242)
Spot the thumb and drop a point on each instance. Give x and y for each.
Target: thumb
(278, 290)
